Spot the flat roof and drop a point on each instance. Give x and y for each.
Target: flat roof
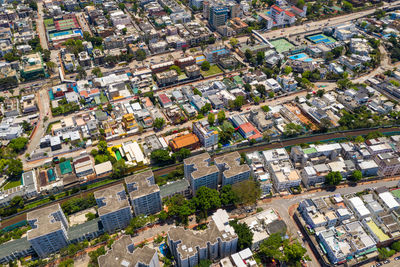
(231, 162)
(44, 221)
(201, 164)
(111, 199)
(143, 183)
(173, 188)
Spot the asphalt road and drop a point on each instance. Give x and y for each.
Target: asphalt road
(40, 27)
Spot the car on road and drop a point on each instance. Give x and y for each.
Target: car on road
(386, 262)
(299, 233)
(397, 258)
(378, 264)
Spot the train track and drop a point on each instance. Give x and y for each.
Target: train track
(164, 171)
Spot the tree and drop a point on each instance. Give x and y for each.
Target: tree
(81, 73)
(359, 139)
(247, 192)
(245, 235)
(333, 178)
(356, 176)
(347, 6)
(247, 87)
(266, 108)
(225, 136)
(292, 129)
(221, 116)
(260, 57)
(136, 223)
(294, 252)
(238, 102)
(320, 92)
(17, 202)
(396, 246)
(204, 263)
(197, 92)
(373, 135)
(385, 253)
(211, 118)
(121, 6)
(248, 55)
(176, 68)
(18, 144)
(161, 157)
(288, 70)
(102, 146)
(300, 4)
(233, 42)
(182, 154)
(205, 66)
(227, 196)
(158, 123)
(179, 206)
(15, 169)
(118, 169)
(206, 199)
(269, 249)
(261, 89)
(271, 94)
(97, 71)
(140, 55)
(51, 66)
(206, 108)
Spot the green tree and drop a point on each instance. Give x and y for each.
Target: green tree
(227, 196)
(97, 71)
(51, 66)
(221, 116)
(204, 263)
(205, 66)
(385, 253)
(266, 108)
(211, 118)
(245, 235)
(294, 252)
(260, 57)
(271, 94)
(300, 4)
(140, 55)
(136, 222)
(320, 92)
(288, 70)
(247, 192)
(161, 157)
(15, 169)
(163, 215)
(359, 139)
(396, 246)
(206, 199)
(356, 176)
(18, 144)
(233, 42)
(197, 92)
(176, 68)
(261, 89)
(180, 207)
(102, 147)
(118, 169)
(292, 129)
(17, 202)
(158, 123)
(247, 87)
(90, 216)
(248, 55)
(347, 6)
(238, 102)
(333, 178)
(206, 108)
(269, 249)
(182, 154)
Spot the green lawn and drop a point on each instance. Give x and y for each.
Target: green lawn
(12, 184)
(396, 193)
(103, 98)
(214, 69)
(107, 181)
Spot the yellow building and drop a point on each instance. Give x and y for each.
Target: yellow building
(129, 122)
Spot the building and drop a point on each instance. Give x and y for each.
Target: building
(32, 67)
(129, 122)
(207, 136)
(167, 77)
(123, 253)
(199, 172)
(164, 100)
(144, 193)
(219, 240)
(189, 141)
(113, 207)
(83, 166)
(284, 176)
(49, 230)
(231, 171)
(218, 16)
(103, 169)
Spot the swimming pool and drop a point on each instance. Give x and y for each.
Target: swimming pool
(298, 56)
(321, 38)
(302, 57)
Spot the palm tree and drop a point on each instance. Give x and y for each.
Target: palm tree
(51, 66)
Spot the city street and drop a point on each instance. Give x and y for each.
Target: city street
(40, 26)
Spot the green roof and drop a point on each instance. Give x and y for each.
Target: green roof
(238, 79)
(309, 150)
(173, 188)
(65, 167)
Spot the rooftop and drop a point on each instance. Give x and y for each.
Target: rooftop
(44, 221)
(111, 199)
(231, 162)
(142, 184)
(201, 164)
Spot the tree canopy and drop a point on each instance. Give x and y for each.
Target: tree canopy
(245, 235)
(247, 192)
(333, 178)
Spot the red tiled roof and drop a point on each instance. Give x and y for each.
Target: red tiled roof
(164, 98)
(248, 127)
(84, 94)
(290, 14)
(277, 8)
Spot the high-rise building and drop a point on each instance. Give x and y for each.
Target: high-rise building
(219, 14)
(199, 172)
(219, 240)
(123, 253)
(113, 207)
(207, 136)
(144, 193)
(49, 230)
(231, 171)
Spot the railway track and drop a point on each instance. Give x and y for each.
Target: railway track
(164, 171)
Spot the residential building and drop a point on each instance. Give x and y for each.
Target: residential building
(103, 169)
(144, 193)
(284, 176)
(199, 172)
(123, 253)
(32, 67)
(219, 240)
(218, 16)
(49, 230)
(388, 164)
(113, 207)
(207, 136)
(129, 122)
(231, 171)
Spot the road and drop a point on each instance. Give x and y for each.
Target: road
(40, 27)
(318, 25)
(282, 206)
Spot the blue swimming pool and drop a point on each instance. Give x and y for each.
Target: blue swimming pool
(308, 60)
(162, 248)
(298, 56)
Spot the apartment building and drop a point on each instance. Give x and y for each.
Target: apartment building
(199, 172)
(388, 164)
(123, 253)
(113, 207)
(231, 171)
(49, 230)
(219, 240)
(207, 136)
(284, 176)
(144, 193)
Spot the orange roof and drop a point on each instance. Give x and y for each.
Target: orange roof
(84, 94)
(248, 127)
(184, 141)
(290, 14)
(277, 8)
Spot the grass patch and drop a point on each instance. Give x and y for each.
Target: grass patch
(396, 193)
(36, 203)
(100, 183)
(12, 184)
(214, 69)
(103, 98)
